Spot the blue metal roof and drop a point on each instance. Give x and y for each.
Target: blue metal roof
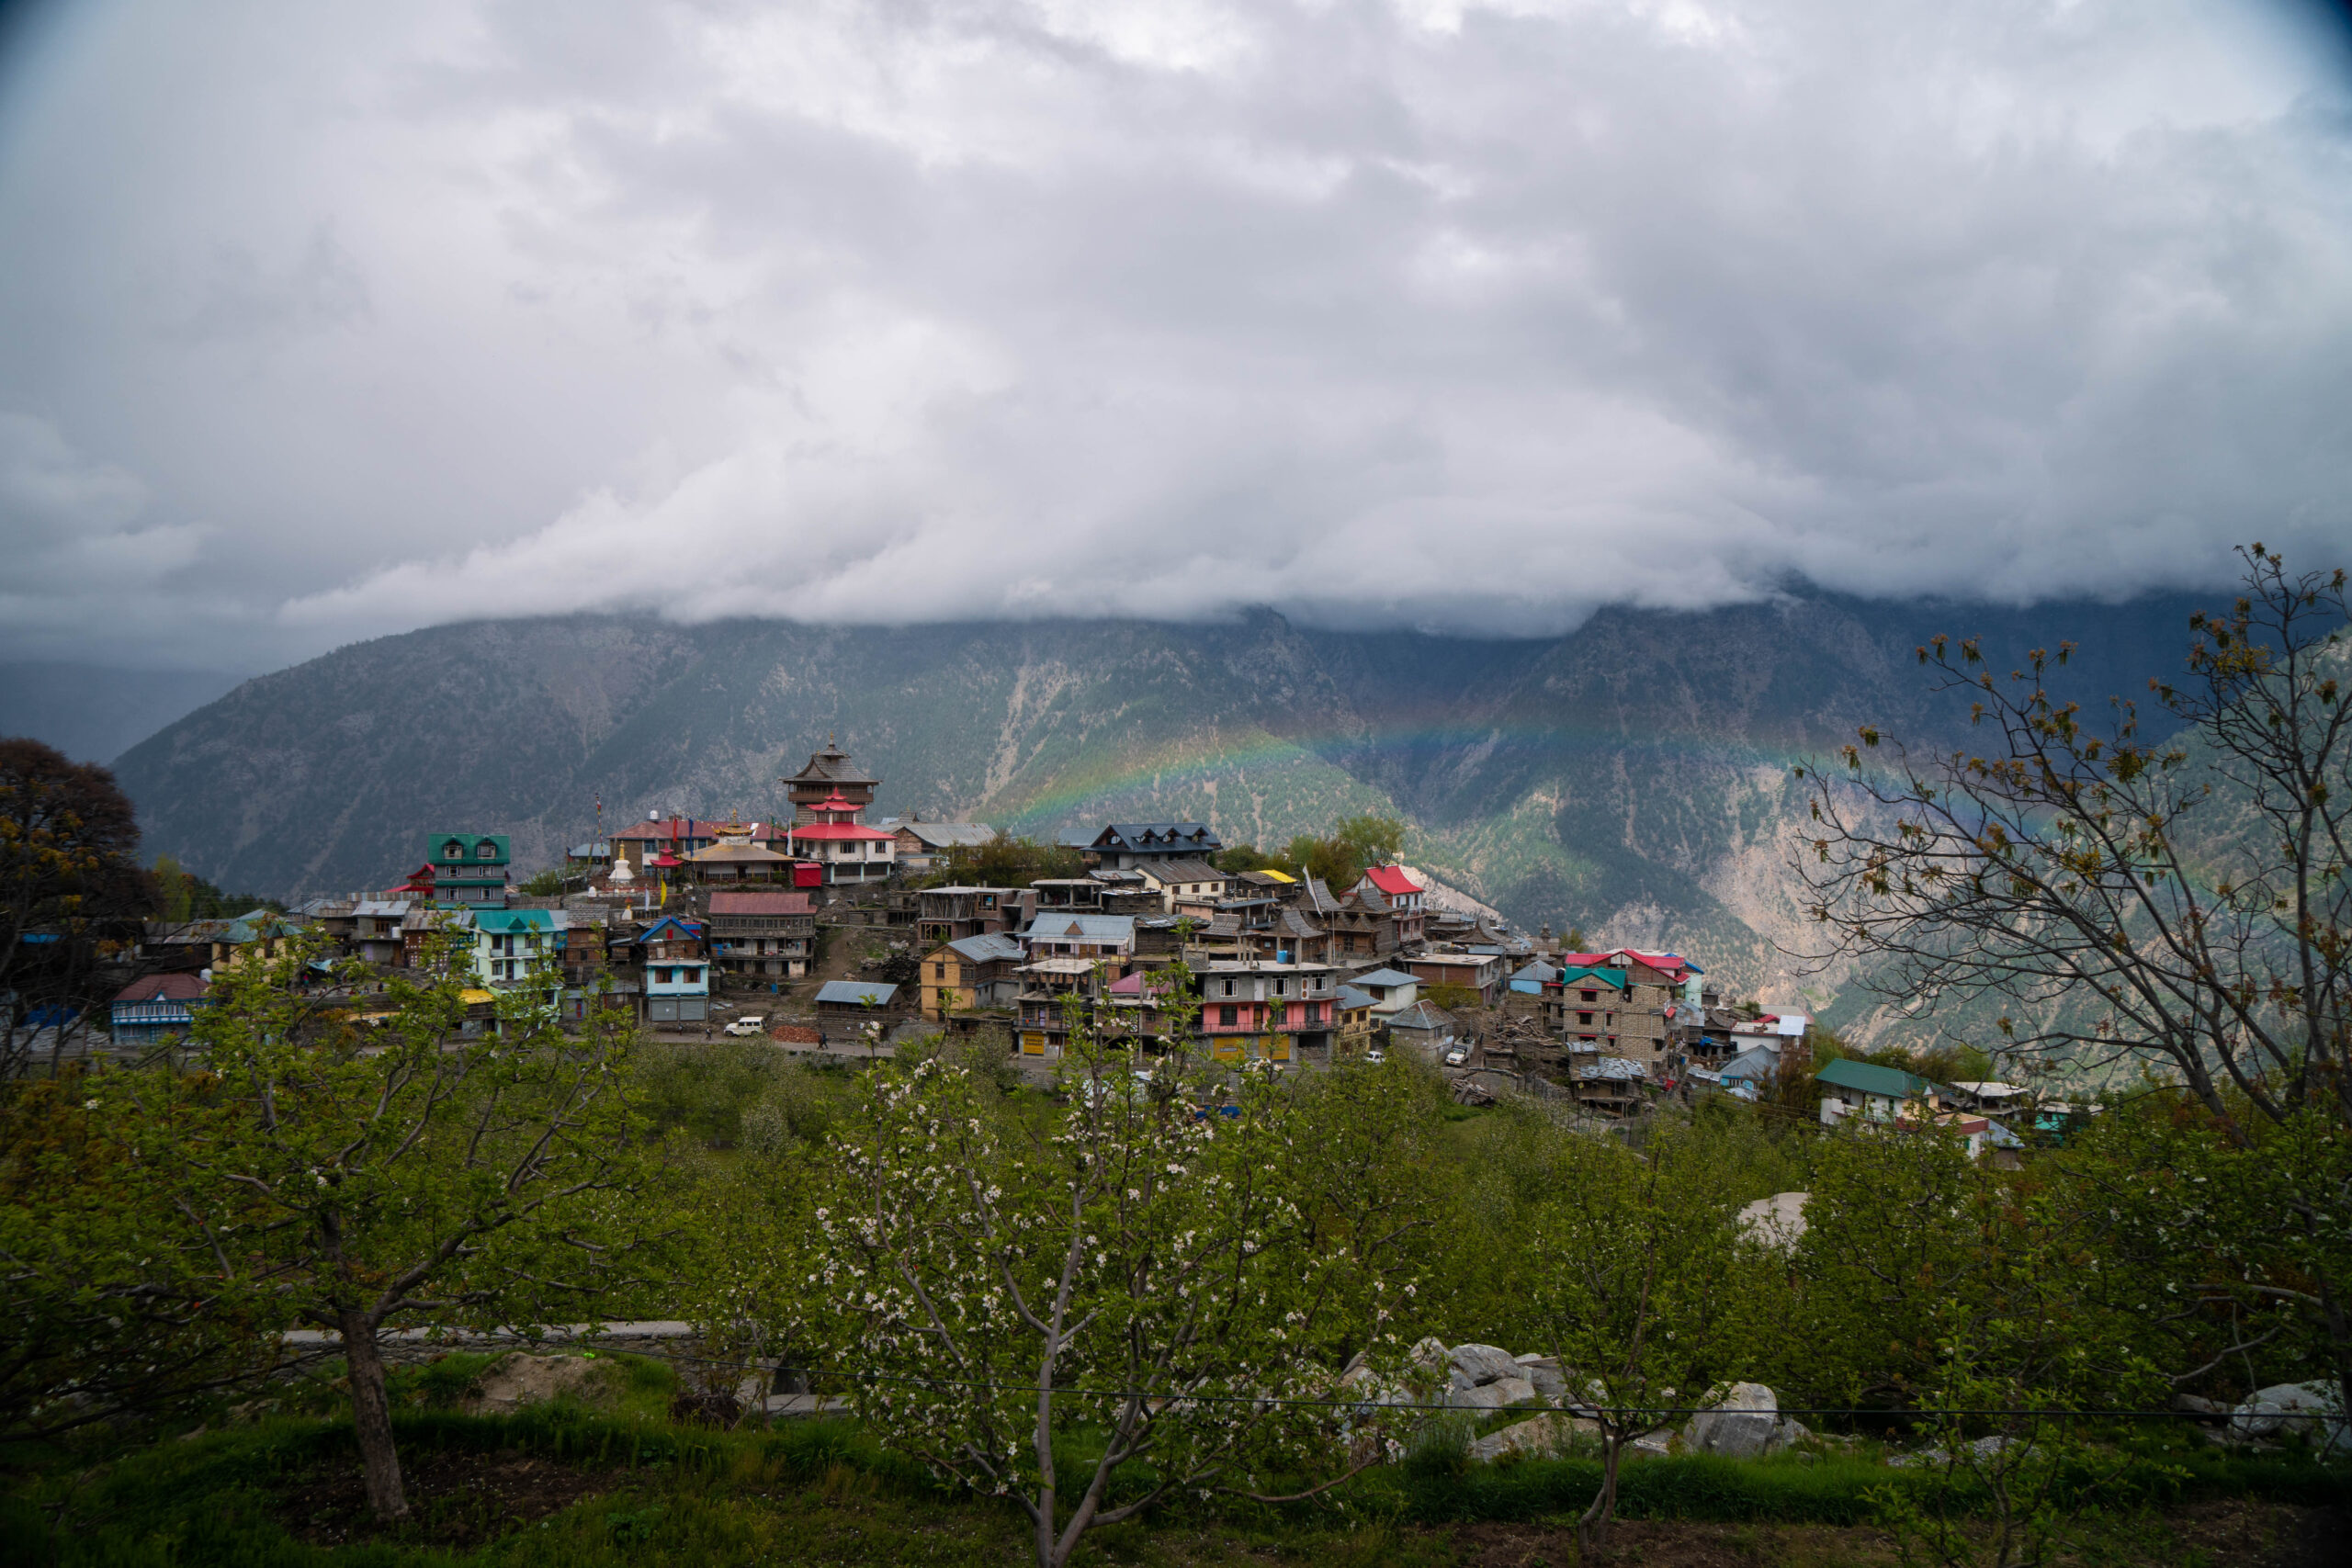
(1055, 925)
(864, 993)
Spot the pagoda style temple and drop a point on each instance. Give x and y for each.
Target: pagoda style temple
(830, 773)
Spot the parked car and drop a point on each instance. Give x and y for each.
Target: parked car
(1375, 1057)
(750, 1023)
(1456, 1056)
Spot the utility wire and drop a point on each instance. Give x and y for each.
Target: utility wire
(1368, 1405)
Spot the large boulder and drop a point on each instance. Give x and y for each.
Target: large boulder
(1475, 1366)
(1543, 1372)
(2314, 1411)
(1512, 1391)
(1491, 1396)
(1745, 1424)
(1543, 1436)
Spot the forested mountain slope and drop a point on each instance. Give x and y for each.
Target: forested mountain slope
(1630, 777)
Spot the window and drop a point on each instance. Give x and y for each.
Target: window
(453, 851)
(1282, 987)
(487, 851)
(1584, 1017)
(1227, 1017)
(939, 971)
(1228, 991)
(661, 977)
(1585, 996)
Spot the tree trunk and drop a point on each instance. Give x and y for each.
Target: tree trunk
(371, 1417)
(1592, 1529)
(1043, 1444)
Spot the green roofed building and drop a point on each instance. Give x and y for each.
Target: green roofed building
(1878, 1093)
(469, 869)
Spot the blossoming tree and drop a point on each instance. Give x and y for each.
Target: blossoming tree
(1134, 1268)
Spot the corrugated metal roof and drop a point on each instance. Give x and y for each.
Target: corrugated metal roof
(1870, 1078)
(1182, 870)
(989, 949)
(1056, 925)
(163, 988)
(518, 920)
(864, 993)
(759, 903)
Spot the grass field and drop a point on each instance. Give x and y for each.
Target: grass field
(621, 1483)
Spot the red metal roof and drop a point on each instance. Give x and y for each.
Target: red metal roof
(1391, 880)
(163, 988)
(823, 830)
(759, 903)
(1664, 963)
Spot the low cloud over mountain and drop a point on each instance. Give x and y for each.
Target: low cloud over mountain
(338, 320)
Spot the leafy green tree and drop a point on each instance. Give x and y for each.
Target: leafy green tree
(120, 1309)
(1637, 1294)
(1007, 861)
(1451, 994)
(1885, 1245)
(1370, 840)
(1362, 1167)
(68, 885)
(1136, 1265)
(2210, 1288)
(2022, 1343)
(2181, 906)
(183, 896)
(361, 1180)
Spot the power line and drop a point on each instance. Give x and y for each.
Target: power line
(1368, 1405)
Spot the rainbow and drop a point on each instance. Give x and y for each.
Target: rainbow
(1082, 788)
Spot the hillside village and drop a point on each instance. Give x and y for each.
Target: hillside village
(844, 939)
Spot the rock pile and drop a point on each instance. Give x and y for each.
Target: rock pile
(1745, 1424)
(2313, 1411)
(1487, 1377)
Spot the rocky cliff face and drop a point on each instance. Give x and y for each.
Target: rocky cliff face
(1630, 777)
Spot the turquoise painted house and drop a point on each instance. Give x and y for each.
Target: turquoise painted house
(469, 869)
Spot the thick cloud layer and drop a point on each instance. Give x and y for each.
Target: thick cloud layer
(335, 319)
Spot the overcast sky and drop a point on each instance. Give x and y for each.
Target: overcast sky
(320, 321)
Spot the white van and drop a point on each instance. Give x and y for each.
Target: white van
(750, 1023)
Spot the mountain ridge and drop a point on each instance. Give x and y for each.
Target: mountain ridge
(1630, 776)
